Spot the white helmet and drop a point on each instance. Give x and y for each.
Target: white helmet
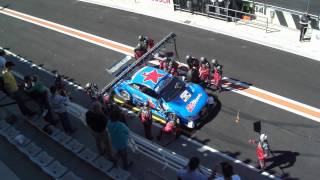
(214, 61)
(263, 137)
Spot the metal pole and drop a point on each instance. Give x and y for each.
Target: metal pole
(265, 7)
(308, 6)
(253, 7)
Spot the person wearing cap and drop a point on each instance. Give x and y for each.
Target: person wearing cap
(145, 116)
(12, 89)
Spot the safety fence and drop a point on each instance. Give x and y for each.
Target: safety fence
(262, 8)
(223, 13)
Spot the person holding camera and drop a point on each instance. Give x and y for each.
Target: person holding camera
(59, 102)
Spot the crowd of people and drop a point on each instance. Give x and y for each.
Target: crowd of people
(110, 131)
(193, 172)
(53, 102)
(105, 120)
(200, 71)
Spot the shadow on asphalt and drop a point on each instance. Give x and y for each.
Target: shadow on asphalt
(215, 111)
(282, 160)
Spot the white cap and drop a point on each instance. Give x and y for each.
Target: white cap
(263, 137)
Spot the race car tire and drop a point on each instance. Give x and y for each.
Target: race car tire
(125, 95)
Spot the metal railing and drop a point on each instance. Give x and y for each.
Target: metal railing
(281, 9)
(265, 6)
(227, 14)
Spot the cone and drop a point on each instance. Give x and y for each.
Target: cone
(238, 117)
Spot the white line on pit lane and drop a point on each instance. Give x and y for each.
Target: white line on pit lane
(119, 64)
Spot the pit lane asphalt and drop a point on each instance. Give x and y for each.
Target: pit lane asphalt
(279, 72)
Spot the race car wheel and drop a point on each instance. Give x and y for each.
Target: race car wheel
(125, 95)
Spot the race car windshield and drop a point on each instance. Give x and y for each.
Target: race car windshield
(171, 87)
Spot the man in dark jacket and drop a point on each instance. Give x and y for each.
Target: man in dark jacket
(97, 123)
(304, 21)
(193, 75)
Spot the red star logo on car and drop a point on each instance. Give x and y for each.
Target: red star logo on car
(152, 76)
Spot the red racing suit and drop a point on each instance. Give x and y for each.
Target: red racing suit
(204, 73)
(138, 54)
(260, 152)
(149, 43)
(217, 76)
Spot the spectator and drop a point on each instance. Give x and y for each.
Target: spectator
(2, 60)
(59, 83)
(59, 102)
(119, 134)
(192, 172)
(97, 123)
(145, 116)
(304, 22)
(39, 92)
(12, 89)
(2, 66)
(227, 172)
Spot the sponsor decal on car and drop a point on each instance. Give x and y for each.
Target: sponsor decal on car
(185, 96)
(193, 103)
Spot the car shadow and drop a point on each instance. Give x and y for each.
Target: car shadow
(213, 112)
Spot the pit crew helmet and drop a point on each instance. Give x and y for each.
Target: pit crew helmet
(263, 137)
(203, 60)
(141, 38)
(188, 57)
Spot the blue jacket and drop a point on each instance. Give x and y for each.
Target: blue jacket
(119, 134)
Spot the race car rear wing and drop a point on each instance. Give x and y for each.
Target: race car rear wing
(170, 38)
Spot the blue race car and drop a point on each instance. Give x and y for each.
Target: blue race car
(166, 95)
